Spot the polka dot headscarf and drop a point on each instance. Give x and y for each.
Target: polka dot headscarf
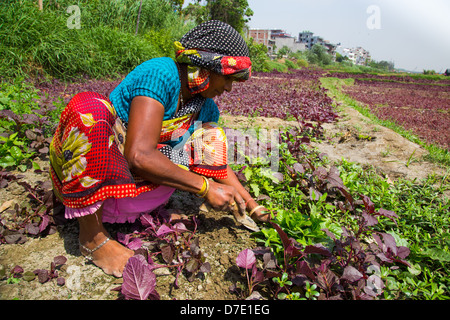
(213, 46)
(217, 37)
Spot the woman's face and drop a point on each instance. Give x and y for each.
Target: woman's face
(217, 85)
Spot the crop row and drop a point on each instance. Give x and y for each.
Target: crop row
(297, 95)
(390, 78)
(422, 109)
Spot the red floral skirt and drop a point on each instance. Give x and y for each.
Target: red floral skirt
(87, 161)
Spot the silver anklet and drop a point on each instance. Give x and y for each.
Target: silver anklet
(90, 252)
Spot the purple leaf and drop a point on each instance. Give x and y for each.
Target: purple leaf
(319, 249)
(258, 276)
(388, 214)
(284, 237)
(163, 230)
(60, 281)
(59, 260)
(403, 252)
(193, 265)
(303, 268)
(44, 223)
(384, 258)
(351, 274)
(135, 244)
(298, 168)
(369, 220)
(167, 252)
(43, 275)
(138, 280)
(368, 204)
(246, 259)
(147, 220)
(334, 179)
(17, 270)
(269, 260)
(389, 242)
(278, 176)
(180, 227)
(32, 229)
(206, 267)
(123, 238)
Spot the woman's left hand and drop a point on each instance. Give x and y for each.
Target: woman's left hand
(258, 212)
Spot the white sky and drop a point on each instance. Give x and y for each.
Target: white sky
(414, 34)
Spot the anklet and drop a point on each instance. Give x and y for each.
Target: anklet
(90, 252)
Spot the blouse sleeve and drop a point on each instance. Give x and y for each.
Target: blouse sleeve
(159, 84)
(157, 79)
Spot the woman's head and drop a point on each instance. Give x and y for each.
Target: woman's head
(213, 47)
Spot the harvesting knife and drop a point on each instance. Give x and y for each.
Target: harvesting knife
(244, 219)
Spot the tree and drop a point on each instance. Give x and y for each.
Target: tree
(177, 4)
(383, 65)
(234, 12)
(283, 52)
(318, 55)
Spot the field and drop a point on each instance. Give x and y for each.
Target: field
(327, 208)
(419, 105)
(358, 178)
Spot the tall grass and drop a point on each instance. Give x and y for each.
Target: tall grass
(40, 43)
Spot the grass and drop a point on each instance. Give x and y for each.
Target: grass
(40, 43)
(35, 43)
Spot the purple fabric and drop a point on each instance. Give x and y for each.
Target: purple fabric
(124, 209)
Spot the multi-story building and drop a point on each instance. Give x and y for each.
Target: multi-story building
(358, 56)
(275, 39)
(308, 38)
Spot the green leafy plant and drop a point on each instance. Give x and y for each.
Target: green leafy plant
(11, 154)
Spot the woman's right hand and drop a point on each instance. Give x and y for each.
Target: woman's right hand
(221, 196)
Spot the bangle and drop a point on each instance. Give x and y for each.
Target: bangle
(205, 188)
(254, 209)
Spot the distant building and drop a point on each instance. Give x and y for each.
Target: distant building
(309, 40)
(275, 39)
(262, 36)
(359, 56)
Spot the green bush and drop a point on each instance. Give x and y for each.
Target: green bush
(35, 42)
(258, 56)
(290, 64)
(278, 66)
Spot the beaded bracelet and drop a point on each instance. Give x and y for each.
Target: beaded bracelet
(246, 202)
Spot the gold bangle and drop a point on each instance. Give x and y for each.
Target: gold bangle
(205, 188)
(254, 209)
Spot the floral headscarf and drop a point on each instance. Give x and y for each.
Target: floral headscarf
(213, 46)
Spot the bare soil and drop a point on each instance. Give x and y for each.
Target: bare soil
(354, 138)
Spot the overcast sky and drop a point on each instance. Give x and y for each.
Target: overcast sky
(414, 34)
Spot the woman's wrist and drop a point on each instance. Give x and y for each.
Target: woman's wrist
(250, 201)
(204, 189)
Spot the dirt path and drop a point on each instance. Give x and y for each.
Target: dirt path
(354, 138)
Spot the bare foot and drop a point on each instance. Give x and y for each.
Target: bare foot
(111, 257)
